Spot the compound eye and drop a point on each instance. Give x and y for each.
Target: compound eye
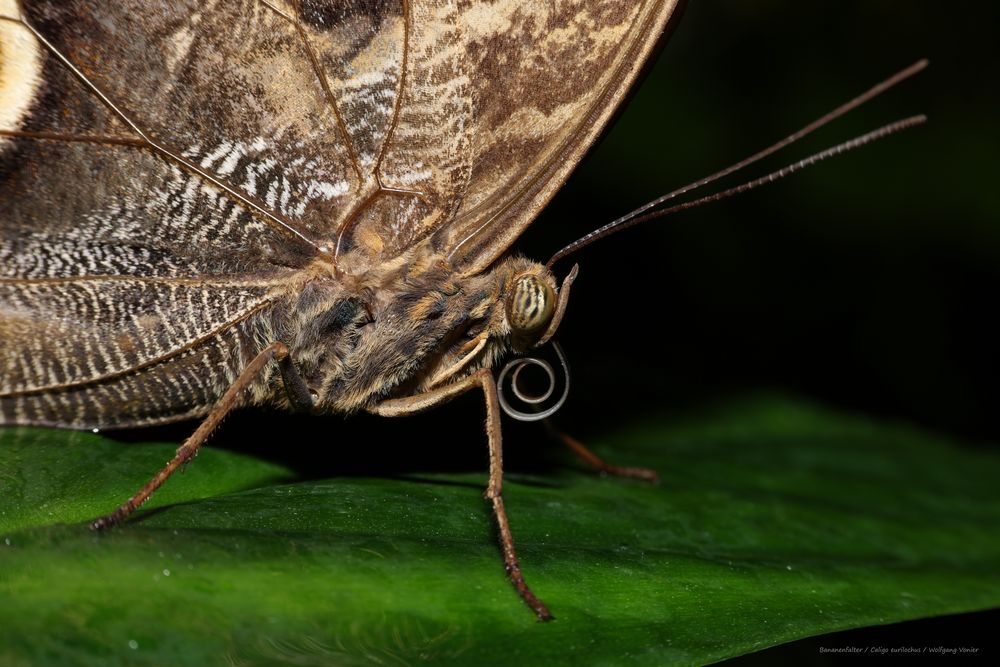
(530, 306)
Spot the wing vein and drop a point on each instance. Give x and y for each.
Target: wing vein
(323, 81)
(398, 102)
(153, 280)
(146, 364)
(75, 138)
(271, 217)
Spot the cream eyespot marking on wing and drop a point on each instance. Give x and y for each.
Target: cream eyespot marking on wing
(20, 69)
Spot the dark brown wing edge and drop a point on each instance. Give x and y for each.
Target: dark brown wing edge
(475, 247)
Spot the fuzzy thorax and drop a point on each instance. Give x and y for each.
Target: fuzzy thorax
(401, 334)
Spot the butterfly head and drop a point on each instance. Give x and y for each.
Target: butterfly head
(534, 306)
(517, 305)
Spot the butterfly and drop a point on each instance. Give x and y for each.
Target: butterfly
(303, 204)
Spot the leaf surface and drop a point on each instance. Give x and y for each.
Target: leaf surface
(774, 521)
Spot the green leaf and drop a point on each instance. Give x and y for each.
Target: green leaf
(774, 521)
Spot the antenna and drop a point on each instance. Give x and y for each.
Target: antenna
(637, 216)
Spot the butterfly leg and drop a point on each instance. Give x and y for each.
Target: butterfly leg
(596, 462)
(300, 398)
(189, 449)
(494, 489)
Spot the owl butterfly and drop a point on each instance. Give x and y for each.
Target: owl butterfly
(305, 204)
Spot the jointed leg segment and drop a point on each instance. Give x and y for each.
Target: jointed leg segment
(494, 488)
(596, 462)
(298, 394)
(189, 449)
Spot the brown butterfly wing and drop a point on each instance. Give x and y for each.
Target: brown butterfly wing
(549, 79)
(498, 102)
(128, 283)
(165, 169)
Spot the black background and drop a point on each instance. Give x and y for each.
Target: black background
(866, 284)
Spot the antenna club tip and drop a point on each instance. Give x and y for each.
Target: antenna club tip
(914, 69)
